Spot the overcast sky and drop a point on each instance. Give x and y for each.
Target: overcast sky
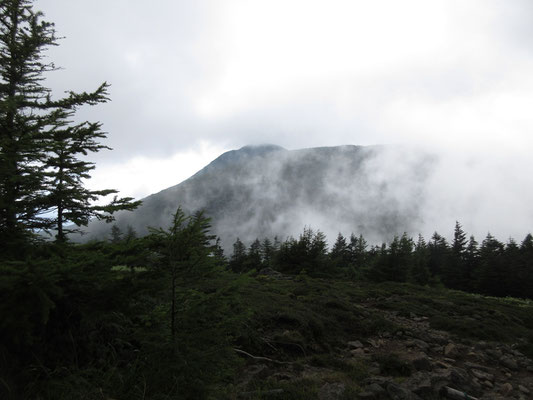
(191, 79)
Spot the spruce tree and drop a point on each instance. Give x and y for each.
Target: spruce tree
(25, 110)
(340, 253)
(40, 147)
(267, 252)
(419, 269)
(65, 169)
(454, 275)
(358, 251)
(238, 258)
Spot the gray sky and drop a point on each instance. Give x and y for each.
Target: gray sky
(191, 79)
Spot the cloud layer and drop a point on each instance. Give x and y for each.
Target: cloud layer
(448, 75)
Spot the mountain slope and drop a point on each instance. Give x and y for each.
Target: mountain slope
(259, 191)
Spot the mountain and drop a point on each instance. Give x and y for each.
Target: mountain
(266, 190)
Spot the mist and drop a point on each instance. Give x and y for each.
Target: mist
(377, 191)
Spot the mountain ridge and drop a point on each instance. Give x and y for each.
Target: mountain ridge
(266, 190)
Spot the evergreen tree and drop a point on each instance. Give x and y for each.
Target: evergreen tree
(131, 234)
(438, 255)
(358, 252)
(40, 149)
(419, 273)
(526, 267)
(116, 234)
(491, 271)
(218, 253)
(513, 272)
(254, 259)
(471, 264)
(65, 170)
(185, 253)
(454, 275)
(25, 109)
(340, 253)
(238, 258)
(267, 252)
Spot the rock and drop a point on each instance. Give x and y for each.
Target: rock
(506, 388)
(517, 353)
(396, 392)
(422, 363)
(471, 365)
(357, 352)
(494, 353)
(356, 344)
(331, 391)
(487, 384)
(281, 376)
(450, 349)
(420, 344)
(455, 377)
(420, 384)
(367, 395)
(509, 362)
(373, 391)
(481, 375)
(523, 389)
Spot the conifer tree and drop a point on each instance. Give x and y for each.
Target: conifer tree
(526, 267)
(419, 270)
(40, 148)
(116, 234)
(438, 255)
(65, 170)
(267, 252)
(238, 258)
(358, 252)
(491, 268)
(471, 263)
(454, 275)
(340, 253)
(254, 255)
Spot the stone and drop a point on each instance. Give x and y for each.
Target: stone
(367, 395)
(376, 388)
(509, 362)
(471, 365)
(524, 389)
(481, 375)
(357, 352)
(396, 392)
(450, 349)
(494, 353)
(506, 388)
(356, 344)
(420, 384)
(331, 391)
(421, 344)
(422, 363)
(487, 384)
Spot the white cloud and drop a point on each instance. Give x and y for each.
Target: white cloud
(141, 176)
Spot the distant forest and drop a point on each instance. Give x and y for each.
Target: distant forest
(491, 268)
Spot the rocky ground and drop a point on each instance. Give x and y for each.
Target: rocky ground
(414, 362)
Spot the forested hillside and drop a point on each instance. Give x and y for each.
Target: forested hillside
(267, 191)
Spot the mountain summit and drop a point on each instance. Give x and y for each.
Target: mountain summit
(266, 190)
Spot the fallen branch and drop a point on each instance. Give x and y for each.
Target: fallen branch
(261, 358)
(455, 394)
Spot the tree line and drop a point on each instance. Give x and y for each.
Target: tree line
(491, 267)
